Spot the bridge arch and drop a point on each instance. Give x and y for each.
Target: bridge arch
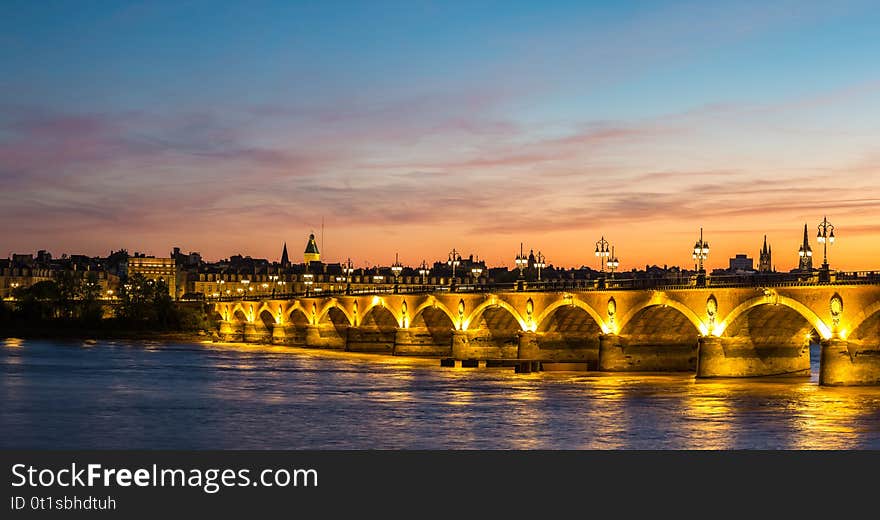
(267, 318)
(662, 302)
(331, 306)
(239, 315)
(429, 306)
(863, 320)
(542, 320)
(379, 302)
(297, 315)
(379, 316)
(812, 318)
(477, 313)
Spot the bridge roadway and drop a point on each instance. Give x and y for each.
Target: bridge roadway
(742, 331)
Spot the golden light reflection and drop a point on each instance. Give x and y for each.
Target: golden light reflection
(707, 409)
(460, 398)
(823, 418)
(13, 342)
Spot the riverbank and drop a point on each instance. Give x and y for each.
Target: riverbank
(103, 334)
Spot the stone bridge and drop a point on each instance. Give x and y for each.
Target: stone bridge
(713, 331)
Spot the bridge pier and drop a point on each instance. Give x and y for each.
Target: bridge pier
(735, 357)
(227, 331)
(461, 345)
(370, 339)
(624, 354)
(611, 356)
(321, 336)
(528, 346)
(845, 364)
(279, 333)
(250, 333)
(419, 342)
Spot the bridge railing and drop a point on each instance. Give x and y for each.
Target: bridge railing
(589, 285)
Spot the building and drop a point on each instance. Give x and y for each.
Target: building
(765, 258)
(311, 253)
(805, 254)
(741, 263)
(153, 268)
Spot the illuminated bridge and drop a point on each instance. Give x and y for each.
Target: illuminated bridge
(740, 330)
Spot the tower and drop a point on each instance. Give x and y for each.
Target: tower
(765, 258)
(311, 253)
(285, 260)
(805, 253)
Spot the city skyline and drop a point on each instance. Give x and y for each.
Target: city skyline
(414, 131)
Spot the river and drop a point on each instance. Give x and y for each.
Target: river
(172, 395)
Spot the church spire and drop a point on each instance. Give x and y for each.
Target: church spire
(285, 260)
(765, 258)
(805, 253)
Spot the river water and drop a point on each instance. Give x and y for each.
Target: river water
(167, 395)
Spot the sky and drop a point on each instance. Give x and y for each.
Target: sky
(417, 127)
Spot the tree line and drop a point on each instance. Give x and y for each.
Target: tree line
(74, 299)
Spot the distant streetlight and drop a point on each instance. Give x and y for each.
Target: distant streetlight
(613, 263)
(424, 271)
(308, 280)
(476, 272)
(539, 264)
(454, 260)
(701, 252)
(602, 252)
(274, 279)
(522, 261)
(825, 237)
(347, 269)
(396, 268)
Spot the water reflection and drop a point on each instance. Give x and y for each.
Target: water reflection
(227, 396)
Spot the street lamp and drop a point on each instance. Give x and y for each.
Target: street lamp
(347, 270)
(274, 278)
(602, 252)
(454, 260)
(522, 261)
(539, 264)
(805, 252)
(308, 280)
(247, 285)
(701, 252)
(476, 272)
(423, 272)
(613, 263)
(396, 268)
(825, 237)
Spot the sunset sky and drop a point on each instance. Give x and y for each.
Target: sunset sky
(422, 126)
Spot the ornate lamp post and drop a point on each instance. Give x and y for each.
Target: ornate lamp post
(522, 262)
(308, 280)
(476, 272)
(825, 237)
(348, 269)
(423, 272)
(539, 264)
(396, 268)
(454, 260)
(701, 252)
(602, 252)
(247, 287)
(613, 263)
(378, 278)
(274, 279)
